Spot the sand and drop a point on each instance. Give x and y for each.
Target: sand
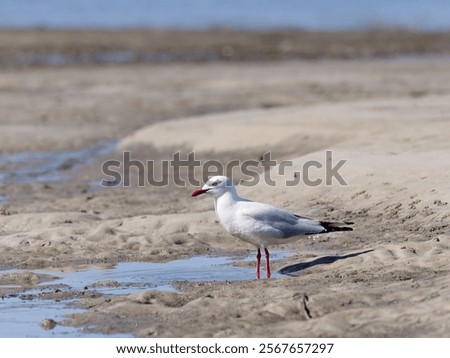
(387, 118)
(42, 47)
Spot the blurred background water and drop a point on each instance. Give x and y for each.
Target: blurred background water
(329, 15)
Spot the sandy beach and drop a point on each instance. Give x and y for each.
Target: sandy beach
(388, 118)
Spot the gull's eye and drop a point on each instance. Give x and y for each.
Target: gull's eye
(214, 184)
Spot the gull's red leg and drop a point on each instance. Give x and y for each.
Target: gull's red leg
(267, 263)
(258, 263)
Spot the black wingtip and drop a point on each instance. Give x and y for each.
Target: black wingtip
(336, 226)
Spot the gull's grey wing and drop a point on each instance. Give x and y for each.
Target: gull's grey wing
(284, 223)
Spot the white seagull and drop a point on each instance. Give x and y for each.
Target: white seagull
(260, 224)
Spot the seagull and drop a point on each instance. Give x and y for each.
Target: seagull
(260, 224)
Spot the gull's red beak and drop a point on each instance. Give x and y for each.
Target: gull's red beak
(199, 192)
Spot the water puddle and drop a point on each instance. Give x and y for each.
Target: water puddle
(44, 167)
(112, 57)
(59, 59)
(21, 318)
(130, 277)
(21, 314)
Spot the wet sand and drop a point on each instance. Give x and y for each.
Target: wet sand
(387, 117)
(41, 47)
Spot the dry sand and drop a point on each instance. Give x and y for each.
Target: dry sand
(388, 118)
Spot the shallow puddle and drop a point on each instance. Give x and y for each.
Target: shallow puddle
(21, 318)
(21, 314)
(47, 167)
(129, 277)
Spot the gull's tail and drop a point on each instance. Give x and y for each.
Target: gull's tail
(336, 226)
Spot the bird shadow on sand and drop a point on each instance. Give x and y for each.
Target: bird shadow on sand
(325, 260)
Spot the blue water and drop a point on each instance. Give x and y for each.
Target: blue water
(200, 14)
(21, 316)
(47, 167)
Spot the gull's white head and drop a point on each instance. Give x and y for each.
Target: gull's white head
(216, 187)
